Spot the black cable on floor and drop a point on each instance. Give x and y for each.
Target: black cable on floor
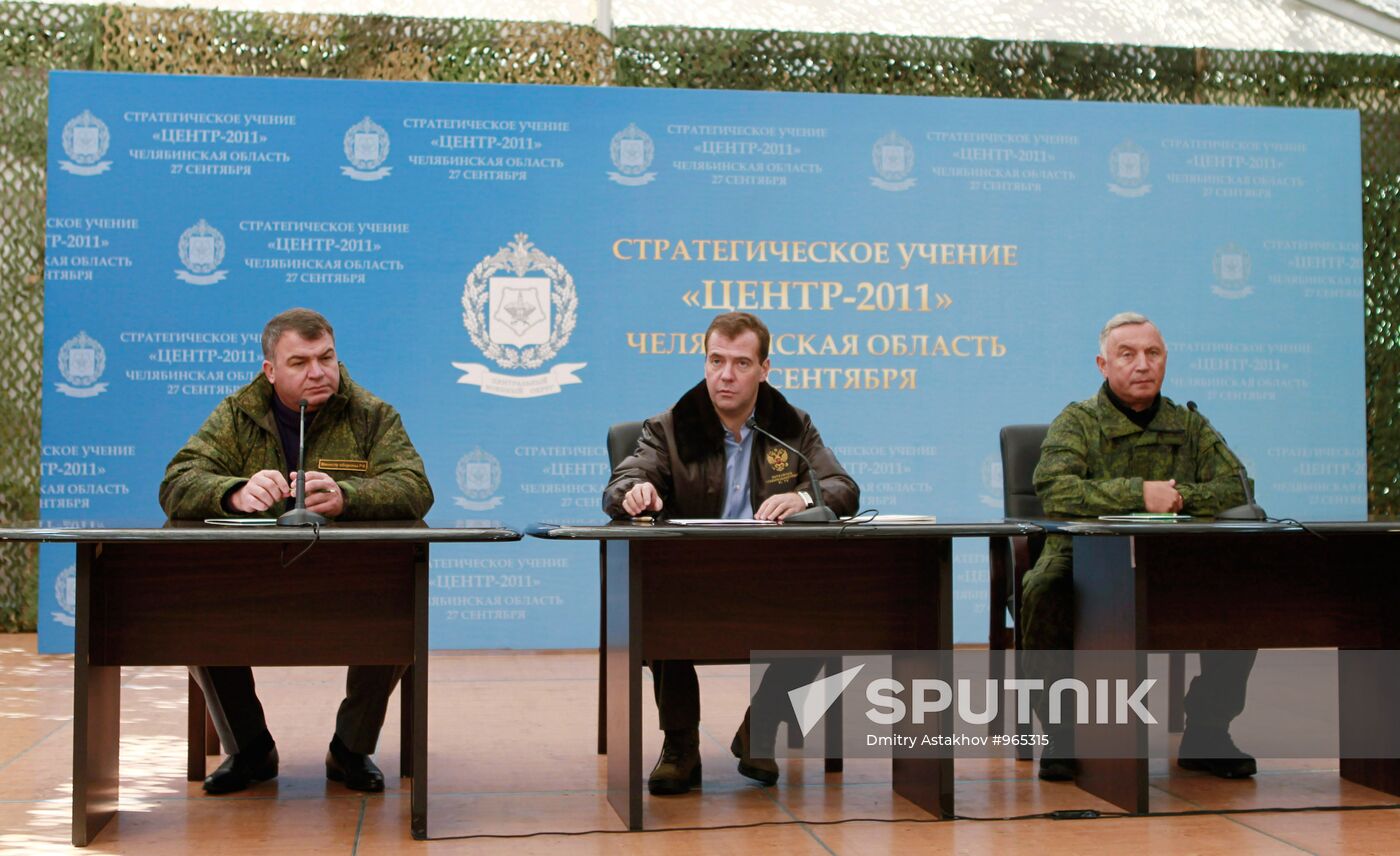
(1061, 814)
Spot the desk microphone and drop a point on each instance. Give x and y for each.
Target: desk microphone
(298, 515)
(1250, 510)
(818, 513)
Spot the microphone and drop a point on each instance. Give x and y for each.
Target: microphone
(818, 513)
(1250, 510)
(299, 515)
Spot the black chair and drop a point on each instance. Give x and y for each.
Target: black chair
(1012, 557)
(1020, 452)
(622, 441)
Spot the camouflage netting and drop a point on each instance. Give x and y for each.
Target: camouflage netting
(35, 38)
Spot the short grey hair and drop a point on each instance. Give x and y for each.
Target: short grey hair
(1122, 319)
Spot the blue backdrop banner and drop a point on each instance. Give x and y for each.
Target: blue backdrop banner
(517, 267)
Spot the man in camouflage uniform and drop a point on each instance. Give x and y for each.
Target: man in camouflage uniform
(1131, 449)
(242, 462)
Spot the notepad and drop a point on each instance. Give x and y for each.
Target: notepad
(241, 521)
(721, 521)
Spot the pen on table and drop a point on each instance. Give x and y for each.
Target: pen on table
(643, 519)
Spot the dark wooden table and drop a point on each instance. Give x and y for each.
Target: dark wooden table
(197, 594)
(716, 593)
(1237, 586)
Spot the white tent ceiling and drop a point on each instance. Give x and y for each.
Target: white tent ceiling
(1336, 26)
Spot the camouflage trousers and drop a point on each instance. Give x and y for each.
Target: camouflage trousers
(1216, 695)
(1047, 605)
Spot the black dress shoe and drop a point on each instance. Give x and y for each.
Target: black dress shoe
(1215, 753)
(241, 770)
(358, 771)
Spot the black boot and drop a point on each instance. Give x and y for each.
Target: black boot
(762, 770)
(1057, 762)
(678, 768)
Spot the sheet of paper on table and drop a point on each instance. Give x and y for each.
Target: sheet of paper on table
(242, 521)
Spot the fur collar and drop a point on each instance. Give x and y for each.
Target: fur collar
(698, 429)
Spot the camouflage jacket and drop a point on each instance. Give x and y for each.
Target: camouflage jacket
(356, 439)
(681, 452)
(1094, 461)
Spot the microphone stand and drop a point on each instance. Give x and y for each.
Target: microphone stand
(1250, 510)
(299, 515)
(819, 512)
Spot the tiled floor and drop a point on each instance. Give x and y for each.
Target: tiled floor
(511, 754)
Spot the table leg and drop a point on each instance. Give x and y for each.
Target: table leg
(419, 801)
(1110, 615)
(925, 782)
(96, 715)
(1368, 695)
(998, 574)
(835, 717)
(602, 647)
(195, 716)
(624, 685)
(928, 782)
(1176, 692)
(406, 724)
(1367, 700)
